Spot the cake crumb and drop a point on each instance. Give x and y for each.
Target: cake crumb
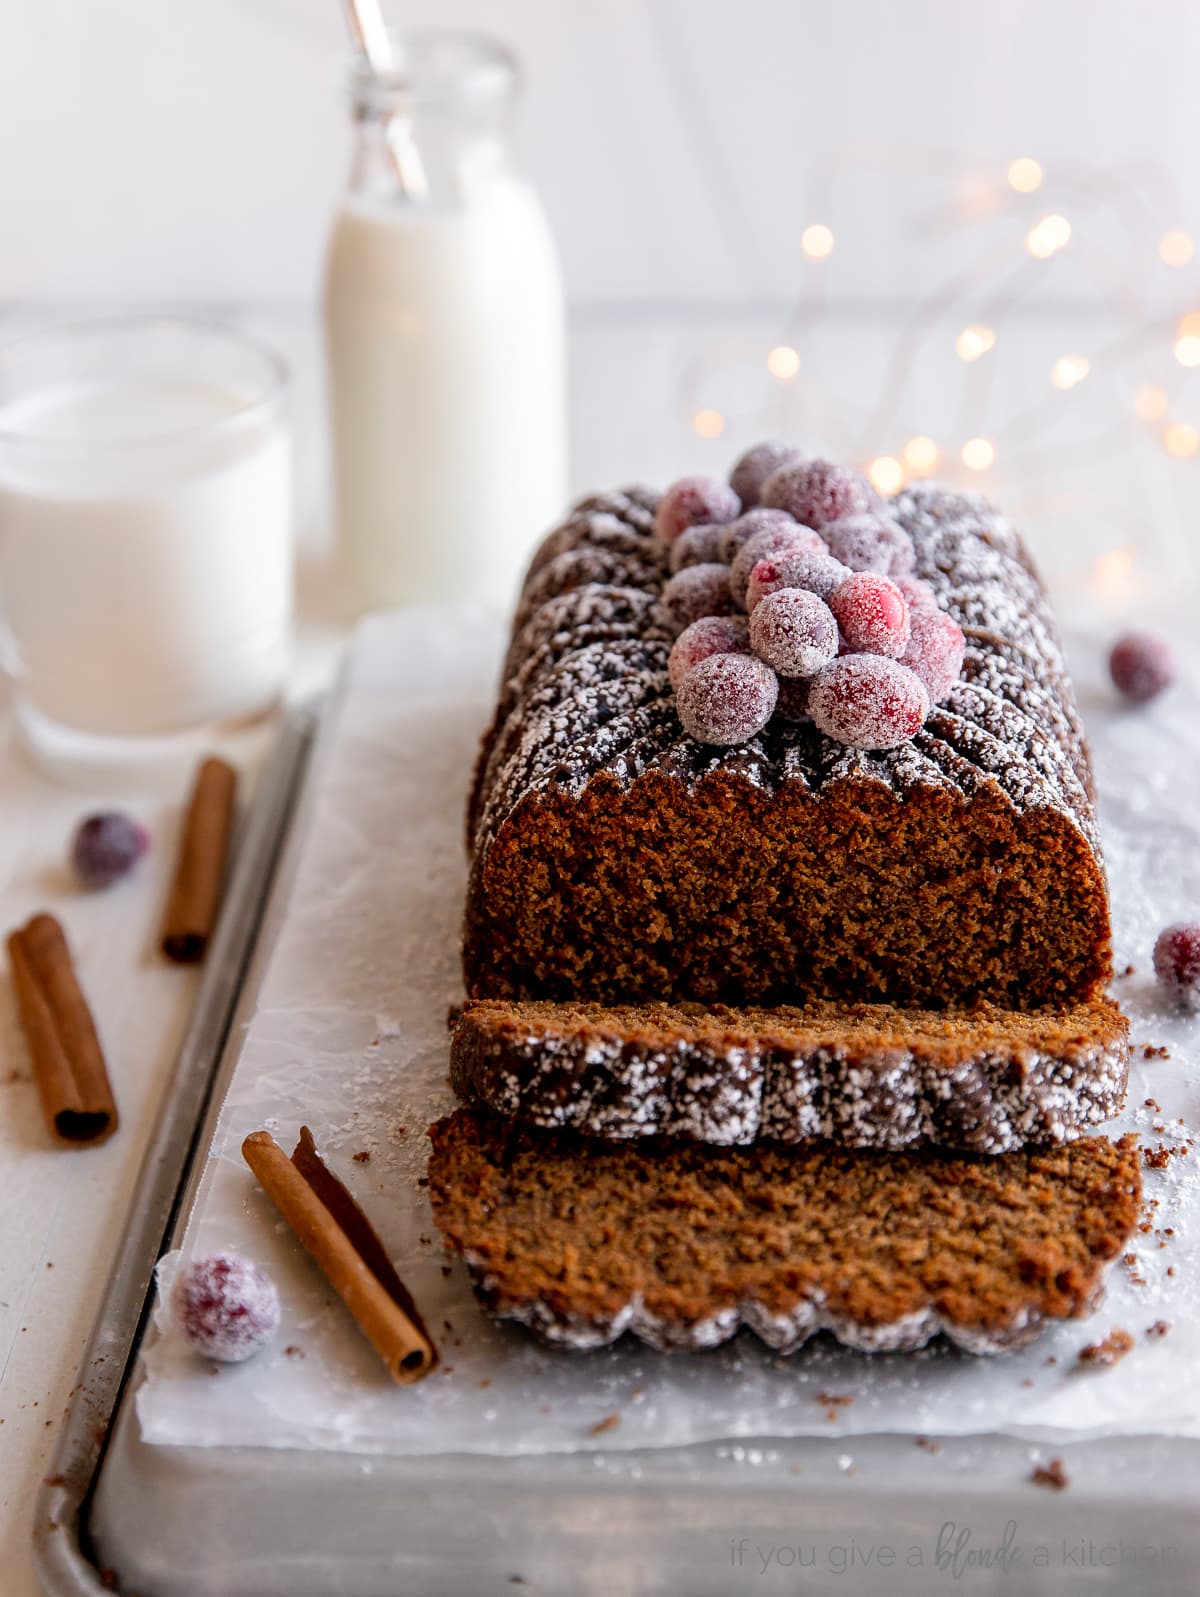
(1130, 970)
(930, 1447)
(1159, 1328)
(1052, 1474)
(1109, 1351)
(292, 1351)
(1028, 1381)
(1152, 1103)
(362, 1156)
(1155, 1051)
(608, 1423)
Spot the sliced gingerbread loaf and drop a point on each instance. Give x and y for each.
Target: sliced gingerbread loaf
(681, 1244)
(868, 1075)
(618, 860)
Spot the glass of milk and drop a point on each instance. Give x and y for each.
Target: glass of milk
(445, 336)
(145, 538)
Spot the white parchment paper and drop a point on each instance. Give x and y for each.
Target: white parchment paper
(350, 1038)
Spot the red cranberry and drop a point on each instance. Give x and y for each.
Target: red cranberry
(869, 543)
(794, 632)
(868, 702)
(1141, 666)
(872, 614)
(799, 568)
(693, 502)
(817, 492)
(918, 595)
(697, 591)
(727, 698)
(766, 545)
(226, 1307)
(106, 847)
(1177, 963)
(936, 646)
(696, 546)
(735, 533)
(709, 635)
(756, 465)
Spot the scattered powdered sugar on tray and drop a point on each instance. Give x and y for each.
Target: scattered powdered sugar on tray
(350, 1038)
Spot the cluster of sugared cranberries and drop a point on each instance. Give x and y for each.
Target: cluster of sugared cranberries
(839, 630)
(106, 847)
(226, 1307)
(1177, 963)
(1142, 666)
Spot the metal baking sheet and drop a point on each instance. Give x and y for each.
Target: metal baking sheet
(845, 1513)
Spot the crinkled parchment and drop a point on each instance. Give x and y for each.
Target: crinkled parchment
(350, 1038)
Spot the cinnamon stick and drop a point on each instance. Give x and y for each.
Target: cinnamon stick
(342, 1243)
(68, 1063)
(200, 871)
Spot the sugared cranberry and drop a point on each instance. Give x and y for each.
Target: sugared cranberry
(226, 1307)
(1141, 666)
(693, 502)
(868, 702)
(727, 698)
(810, 569)
(767, 545)
(735, 533)
(817, 492)
(935, 651)
(697, 591)
(794, 632)
(696, 546)
(872, 614)
(106, 847)
(918, 595)
(870, 543)
(792, 703)
(709, 635)
(1177, 963)
(756, 465)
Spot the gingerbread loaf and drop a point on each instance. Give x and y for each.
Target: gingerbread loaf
(781, 1017)
(618, 860)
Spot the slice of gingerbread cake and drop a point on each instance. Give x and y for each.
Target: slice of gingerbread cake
(784, 853)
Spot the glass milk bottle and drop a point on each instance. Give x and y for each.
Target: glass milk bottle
(445, 337)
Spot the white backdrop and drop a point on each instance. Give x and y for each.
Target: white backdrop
(193, 149)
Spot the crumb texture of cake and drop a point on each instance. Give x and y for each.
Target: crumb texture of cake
(682, 1244)
(865, 1075)
(616, 859)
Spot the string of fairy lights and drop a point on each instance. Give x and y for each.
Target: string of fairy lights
(1046, 236)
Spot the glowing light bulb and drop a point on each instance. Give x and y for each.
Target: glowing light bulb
(1047, 237)
(1176, 247)
(783, 362)
(817, 241)
(1069, 370)
(978, 454)
(886, 474)
(1150, 403)
(1187, 350)
(1181, 439)
(708, 423)
(1024, 175)
(920, 455)
(974, 341)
